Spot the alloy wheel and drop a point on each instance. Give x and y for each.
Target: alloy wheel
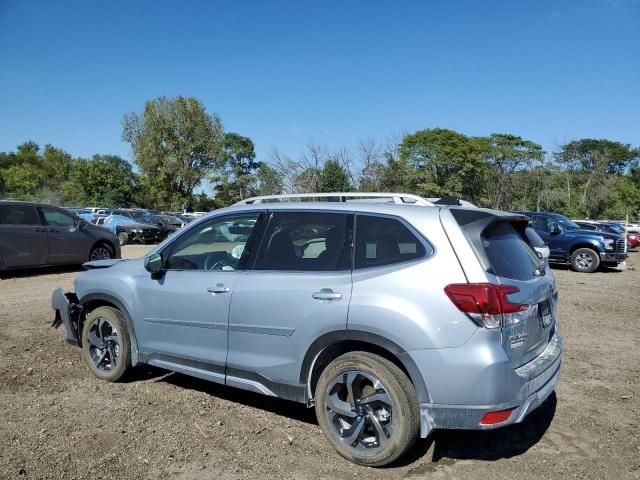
(100, 253)
(360, 411)
(104, 345)
(584, 261)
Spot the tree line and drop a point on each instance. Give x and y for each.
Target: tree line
(179, 148)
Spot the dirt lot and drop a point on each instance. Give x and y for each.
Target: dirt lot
(58, 421)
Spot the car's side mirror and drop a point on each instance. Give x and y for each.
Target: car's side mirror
(153, 263)
(82, 225)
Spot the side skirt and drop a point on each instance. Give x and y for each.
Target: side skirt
(233, 377)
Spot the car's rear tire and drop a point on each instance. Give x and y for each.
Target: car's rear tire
(368, 409)
(123, 238)
(585, 260)
(106, 345)
(101, 251)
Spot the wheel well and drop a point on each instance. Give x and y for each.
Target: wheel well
(91, 305)
(583, 245)
(334, 350)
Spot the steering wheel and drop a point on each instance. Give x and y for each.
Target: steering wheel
(209, 264)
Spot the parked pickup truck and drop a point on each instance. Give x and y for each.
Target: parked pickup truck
(584, 250)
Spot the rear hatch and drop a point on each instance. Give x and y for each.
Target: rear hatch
(509, 260)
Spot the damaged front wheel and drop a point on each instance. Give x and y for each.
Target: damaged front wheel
(105, 344)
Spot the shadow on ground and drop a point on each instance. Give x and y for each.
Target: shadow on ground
(283, 408)
(448, 445)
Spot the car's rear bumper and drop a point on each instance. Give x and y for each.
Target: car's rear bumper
(525, 389)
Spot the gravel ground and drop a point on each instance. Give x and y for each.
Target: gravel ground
(58, 421)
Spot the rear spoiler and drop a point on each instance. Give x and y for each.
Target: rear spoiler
(479, 219)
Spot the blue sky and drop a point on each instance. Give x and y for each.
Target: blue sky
(285, 73)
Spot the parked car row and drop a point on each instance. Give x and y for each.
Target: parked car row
(633, 237)
(585, 250)
(136, 225)
(35, 235)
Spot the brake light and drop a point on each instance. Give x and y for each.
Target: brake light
(485, 303)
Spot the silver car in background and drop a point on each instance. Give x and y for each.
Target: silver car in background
(392, 318)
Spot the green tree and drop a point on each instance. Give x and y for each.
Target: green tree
(105, 181)
(591, 168)
(268, 181)
(176, 144)
(506, 154)
(22, 173)
(624, 199)
(236, 180)
(23, 181)
(334, 178)
(444, 162)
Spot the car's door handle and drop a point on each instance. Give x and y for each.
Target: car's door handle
(39, 230)
(219, 288)
(326, 294)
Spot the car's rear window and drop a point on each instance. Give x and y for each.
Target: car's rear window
(508, 253)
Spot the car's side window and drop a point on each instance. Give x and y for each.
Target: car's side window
(217, 244)
(56, 218)
(541, 223)
(385, 241)
(306, 241)
(18, 215)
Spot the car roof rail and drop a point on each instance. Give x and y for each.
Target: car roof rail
(397, 198)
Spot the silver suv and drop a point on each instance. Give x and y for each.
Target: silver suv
(391, 315)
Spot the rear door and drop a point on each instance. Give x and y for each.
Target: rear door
(512, 261)
(299, 288)
(23, 239)
(67, 243)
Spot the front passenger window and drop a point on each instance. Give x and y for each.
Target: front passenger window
(217, 244)
(56, 218)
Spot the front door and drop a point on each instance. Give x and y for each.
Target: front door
(182, 315)
(543, 227)
(299, 289)
(67, 243)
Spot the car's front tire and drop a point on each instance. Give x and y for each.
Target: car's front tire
(106, 345)
(102, 251)
(367, 408)
(123, 238)
(585, 260)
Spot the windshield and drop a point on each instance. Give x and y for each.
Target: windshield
(565, 222)
(172, 220)
(119, 220)
(139, 215)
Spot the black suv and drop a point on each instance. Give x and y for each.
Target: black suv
(36, 235)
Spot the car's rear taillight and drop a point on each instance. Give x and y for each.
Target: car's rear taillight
(485, 303)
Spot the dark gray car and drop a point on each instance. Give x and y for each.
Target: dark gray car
(36, 235)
